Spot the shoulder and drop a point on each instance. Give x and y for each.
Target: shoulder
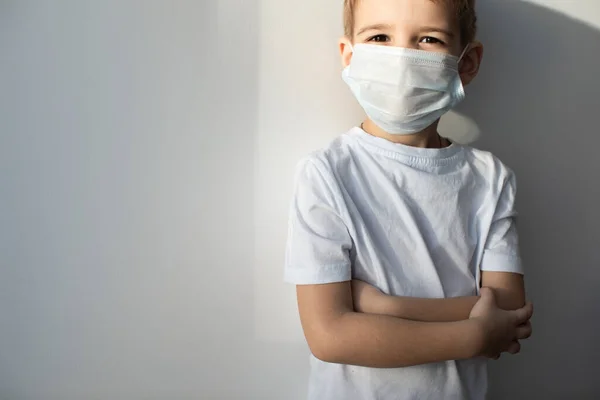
(489, 166)
(327, 161)
(319, 174)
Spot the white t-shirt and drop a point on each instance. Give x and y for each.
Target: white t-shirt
(413, 222)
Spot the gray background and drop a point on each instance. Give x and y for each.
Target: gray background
(129, 145)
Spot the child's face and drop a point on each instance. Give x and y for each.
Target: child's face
(416, 24)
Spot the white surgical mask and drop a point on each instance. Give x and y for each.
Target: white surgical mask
(403, 91)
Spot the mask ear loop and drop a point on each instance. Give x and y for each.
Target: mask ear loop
(467, 48)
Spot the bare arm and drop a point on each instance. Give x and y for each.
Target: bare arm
(432, 310)
(337, 334)
(508, 287)
(368, 299)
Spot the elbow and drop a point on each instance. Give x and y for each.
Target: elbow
(323, 349)
(324, 343)
(321, 352)
(329, 354)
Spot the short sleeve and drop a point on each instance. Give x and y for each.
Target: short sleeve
(318, 243)
(501, 252)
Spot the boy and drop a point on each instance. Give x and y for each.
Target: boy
(394, 229)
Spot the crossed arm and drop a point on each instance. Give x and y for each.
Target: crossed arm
(400, 332)
(508, 287)
(336, 333)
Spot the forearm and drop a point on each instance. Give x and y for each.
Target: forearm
(440, 310)
(384, 342)
(427, 310)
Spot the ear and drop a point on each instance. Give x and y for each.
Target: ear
(469, 65)
(345, 51)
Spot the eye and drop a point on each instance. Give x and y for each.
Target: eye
(430, 40)
(381, 38)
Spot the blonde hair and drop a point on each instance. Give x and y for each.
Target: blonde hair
(465, 11)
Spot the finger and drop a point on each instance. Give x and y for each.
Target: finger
(514, 348)
(524, 331)
(524, 314)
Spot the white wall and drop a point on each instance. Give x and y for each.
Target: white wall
(146, 156)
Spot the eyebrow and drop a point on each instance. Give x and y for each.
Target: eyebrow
(374, 27)
(440, 30)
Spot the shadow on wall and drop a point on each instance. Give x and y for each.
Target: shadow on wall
(536, 102)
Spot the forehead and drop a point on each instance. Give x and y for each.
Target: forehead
(405, 13)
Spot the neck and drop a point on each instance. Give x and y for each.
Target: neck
(427, 138)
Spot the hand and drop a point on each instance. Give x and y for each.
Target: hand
(501, 329)
(367, 298)
(515, 345)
